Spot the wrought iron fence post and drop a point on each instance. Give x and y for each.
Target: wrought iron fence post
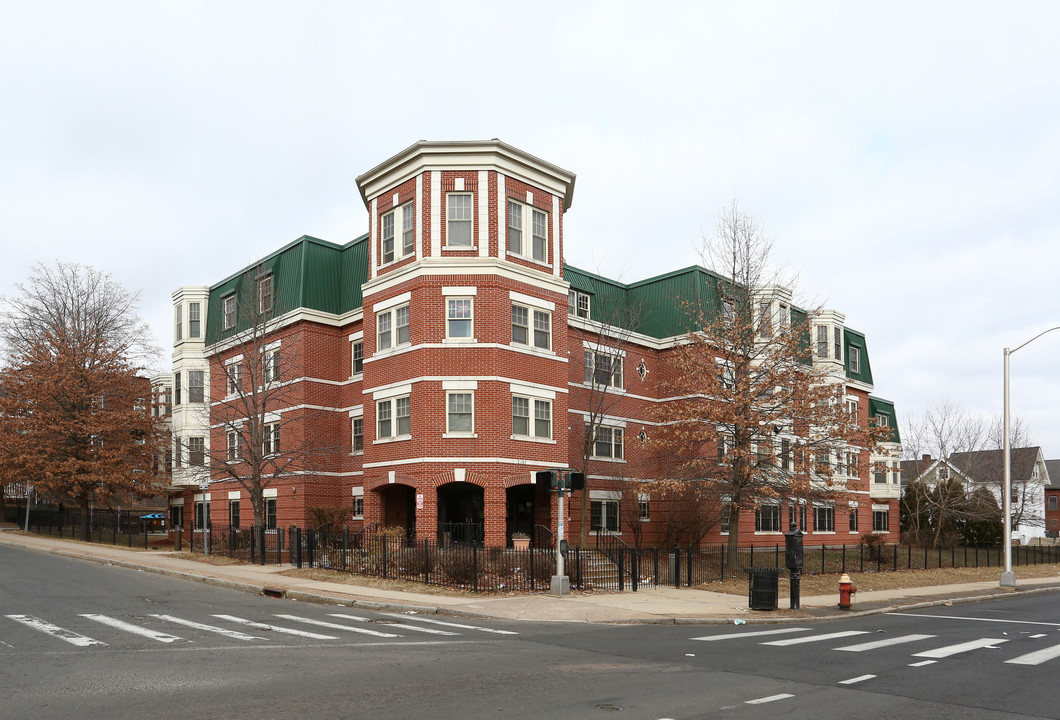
(677, 567)
(261, 540)
(474, 568)
(689, 561)
(621, 569)
(345, 547)
(297, 547)
(426, 561)
(310, 544)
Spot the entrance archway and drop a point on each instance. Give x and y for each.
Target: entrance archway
(398, 505)
(461, 514)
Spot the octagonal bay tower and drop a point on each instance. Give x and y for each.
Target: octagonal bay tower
(465, 352)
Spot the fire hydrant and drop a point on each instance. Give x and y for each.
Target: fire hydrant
(846, 592)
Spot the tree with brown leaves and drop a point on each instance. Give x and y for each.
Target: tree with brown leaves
(75, 420)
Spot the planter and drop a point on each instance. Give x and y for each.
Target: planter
(521, 543)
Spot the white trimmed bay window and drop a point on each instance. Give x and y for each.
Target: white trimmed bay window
(520, 219)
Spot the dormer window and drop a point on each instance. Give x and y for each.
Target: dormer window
(822, 341)
(265, 294)
(855, 359)
(578, 304)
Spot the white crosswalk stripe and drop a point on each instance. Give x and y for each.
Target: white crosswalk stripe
(55, 631)
(404, 626)
(130, 628)
(276, 628)
(888, 642)
(749, 633)
(815, 638)
(1037, 657)
(336, 626)
(234, 634)
(417, 618)
(949, 650)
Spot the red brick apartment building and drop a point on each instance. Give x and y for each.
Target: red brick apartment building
(440, 360)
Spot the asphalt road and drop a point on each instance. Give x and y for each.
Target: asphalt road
(81, 640)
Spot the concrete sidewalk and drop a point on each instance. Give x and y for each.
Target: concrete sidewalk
(647, 605)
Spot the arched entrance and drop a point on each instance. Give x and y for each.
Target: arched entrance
(528, 510)
(461, 514)
(398, 506)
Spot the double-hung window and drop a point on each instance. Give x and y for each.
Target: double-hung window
(234, 379)
(765, 319)
(837, 343)
(235, 449)
(607, 442)
(357, 434)
(540, 336)
(194, 319)
(229, 311)
(603, 369)
(577, 304)
(767, 518)
(823, 518)
(196, 386)
(393, 418)
(391, 230)
(458, 220)
(538, 425)
(392, 327)
(518, 215)
(822, 341)
(855, 359)
(270, 366)
(357, 357)
(603, 511)
(459, 319)
(270, 513)
(233, 513)
(881, 519)
(358, 503)
(196, 451)
(265, 294)
(270, 444)
(460, 412)
(176, 388)
(388, 237)
(178, 322)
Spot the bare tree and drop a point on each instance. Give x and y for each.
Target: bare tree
(753, 416)
(605, 376)
(263, 436)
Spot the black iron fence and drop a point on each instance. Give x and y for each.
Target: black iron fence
(611, 565)
(103, 525)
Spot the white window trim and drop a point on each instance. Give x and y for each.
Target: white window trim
(460, 339)
(392, 401)
(358, 492)
(449, 433)
(531, 395)
(395, 345)
(459, 190)
(526, 251)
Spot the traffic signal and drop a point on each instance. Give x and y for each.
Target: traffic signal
(575, 481)
(546, 478)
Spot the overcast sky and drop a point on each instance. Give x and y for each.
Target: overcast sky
(903, 156)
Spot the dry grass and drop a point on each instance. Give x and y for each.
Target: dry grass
(829, 584)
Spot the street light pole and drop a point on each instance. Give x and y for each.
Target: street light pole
(1008, 578)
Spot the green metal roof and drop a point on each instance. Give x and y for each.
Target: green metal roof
(879, 406)
(852, 338)
(307, 273)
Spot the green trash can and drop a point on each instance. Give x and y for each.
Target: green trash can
(763, 587)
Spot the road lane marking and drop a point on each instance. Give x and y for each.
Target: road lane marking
(336, 626)
(235, 634)
(749, 633)
(275, 628)
(55, 631)
(404, 626)
(815, 638)
(771, 698)
(1037, 657)
(923, 663)
(130, 628)
(860, 678)
(883, 643)
(949, 650)
(976, 619)
(417, 618)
